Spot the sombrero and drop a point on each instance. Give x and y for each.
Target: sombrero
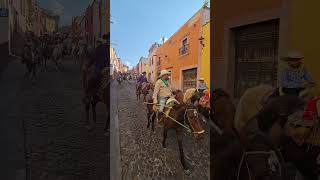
(293, 56)
(164, 72)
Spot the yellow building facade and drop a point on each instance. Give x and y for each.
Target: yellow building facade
(205, 54)
(303, 35)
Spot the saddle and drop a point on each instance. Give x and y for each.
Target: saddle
(169, 104)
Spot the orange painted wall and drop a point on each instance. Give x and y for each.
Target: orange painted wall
(169, 51)
(224, 12)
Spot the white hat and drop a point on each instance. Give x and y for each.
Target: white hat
(293, 55)
(164, 72)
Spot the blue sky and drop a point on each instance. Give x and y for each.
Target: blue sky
(65, 8)
(139, 23)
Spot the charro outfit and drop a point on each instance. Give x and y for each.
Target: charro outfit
(162, 93)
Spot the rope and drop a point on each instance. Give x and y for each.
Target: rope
(188, 129)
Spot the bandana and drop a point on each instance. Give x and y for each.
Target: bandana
(165, 81)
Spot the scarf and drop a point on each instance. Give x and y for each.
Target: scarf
(165, 81)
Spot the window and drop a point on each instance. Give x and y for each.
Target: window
(184, 47)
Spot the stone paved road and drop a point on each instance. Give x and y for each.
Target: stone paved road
(142, 155)
(57, 144)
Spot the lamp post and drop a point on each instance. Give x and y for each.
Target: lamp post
(201, 41)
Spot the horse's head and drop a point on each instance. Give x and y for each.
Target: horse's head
(178, 95)
(192, 119)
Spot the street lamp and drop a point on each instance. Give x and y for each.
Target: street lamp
(201, 41)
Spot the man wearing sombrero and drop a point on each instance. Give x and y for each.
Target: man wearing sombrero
(202, 85)
(295, 77)
(162, 91)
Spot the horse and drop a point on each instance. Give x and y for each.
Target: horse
(29, 60)
(138, 90)
(151, 114)
(74, 53)
(145, 90)
(231, 149)
(96, 91)
(57, 55)
(182, 116)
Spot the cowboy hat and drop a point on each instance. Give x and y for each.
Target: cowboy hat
(201, 79)
(293, 56)
(164, 72)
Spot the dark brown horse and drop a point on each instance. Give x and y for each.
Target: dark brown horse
(183, 116)
(146, 90)
(138, 91)
(151, 114)
(96, 90)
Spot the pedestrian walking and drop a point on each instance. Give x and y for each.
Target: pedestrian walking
(295, 77)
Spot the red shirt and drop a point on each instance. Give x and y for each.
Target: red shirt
(311, 109)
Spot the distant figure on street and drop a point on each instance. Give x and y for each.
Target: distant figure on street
(142, 79)
(295, 77)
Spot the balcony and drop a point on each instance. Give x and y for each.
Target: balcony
(184, 50)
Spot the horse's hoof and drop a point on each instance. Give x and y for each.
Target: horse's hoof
(187, 171)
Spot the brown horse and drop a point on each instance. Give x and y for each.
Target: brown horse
(187, 117)
(96, 90)
(138, 91)
(151, 114)
(146, 90)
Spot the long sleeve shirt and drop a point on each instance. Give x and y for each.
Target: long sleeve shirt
(202, 86)
(142, 79)
(160, 89)
(294, 78)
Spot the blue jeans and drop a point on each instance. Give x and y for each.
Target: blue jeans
(162, 102)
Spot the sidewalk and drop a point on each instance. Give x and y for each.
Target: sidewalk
(11, 132)
(115, 155)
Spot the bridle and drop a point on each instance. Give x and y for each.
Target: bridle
(186, 118)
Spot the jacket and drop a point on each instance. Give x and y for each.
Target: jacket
(160, 89)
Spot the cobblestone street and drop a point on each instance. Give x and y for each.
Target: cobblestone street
(58, 146)
(142, 155)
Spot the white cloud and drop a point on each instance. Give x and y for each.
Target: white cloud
(56, 7)
(128, 64)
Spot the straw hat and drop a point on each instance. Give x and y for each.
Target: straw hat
(201, 79)
(164, 72)
(293, 56)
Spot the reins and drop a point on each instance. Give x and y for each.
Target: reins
(185, 113)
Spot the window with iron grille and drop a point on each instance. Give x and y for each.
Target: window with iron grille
(256, 55)
(184, 48)
(189, 78)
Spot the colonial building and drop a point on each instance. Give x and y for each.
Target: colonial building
(251, 36)
(181, 53)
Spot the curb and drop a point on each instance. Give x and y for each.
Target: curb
(115, 155)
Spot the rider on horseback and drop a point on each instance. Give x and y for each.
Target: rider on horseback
(97, 63)
(142, 79)
(162, 92)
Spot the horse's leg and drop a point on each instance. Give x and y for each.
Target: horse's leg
(153, 116)
(164, 137)
(179, 135)
(87, 105)
(148, 117)
(94, 112)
